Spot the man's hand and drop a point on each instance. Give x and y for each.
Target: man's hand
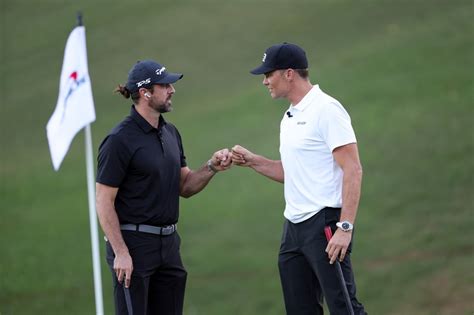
(337, 246)
(123, 267)
(222, 160)
(241, 156)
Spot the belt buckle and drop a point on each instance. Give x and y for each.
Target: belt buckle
(166, 230)
(169, 229)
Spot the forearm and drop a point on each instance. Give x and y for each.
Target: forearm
(195, 181)
(338, 245)
(111, 226)
(351, 188)
(105, 203)
(269, 168)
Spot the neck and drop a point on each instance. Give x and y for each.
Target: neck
(299, 91)
(150, 115)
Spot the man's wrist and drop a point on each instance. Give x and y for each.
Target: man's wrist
(211, 167)
(346, 226)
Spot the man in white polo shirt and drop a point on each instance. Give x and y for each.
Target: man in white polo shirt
(322, 177)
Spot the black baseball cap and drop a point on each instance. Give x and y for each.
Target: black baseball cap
(148, 72)
(282, 56)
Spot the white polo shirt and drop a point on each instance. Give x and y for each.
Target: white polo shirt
(313, 179)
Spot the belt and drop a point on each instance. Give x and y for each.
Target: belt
(159, 230)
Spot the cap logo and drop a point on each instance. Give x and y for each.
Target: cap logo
(146, 81)
(160, 71)
(264, 57)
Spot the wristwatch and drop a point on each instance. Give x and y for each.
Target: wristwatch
(211, 167)
(346, 226)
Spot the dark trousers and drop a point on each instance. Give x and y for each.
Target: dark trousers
(158, 280)
(305, 273)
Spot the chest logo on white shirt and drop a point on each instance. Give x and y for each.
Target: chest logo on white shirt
(301, 123)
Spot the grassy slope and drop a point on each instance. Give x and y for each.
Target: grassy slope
(401, 68)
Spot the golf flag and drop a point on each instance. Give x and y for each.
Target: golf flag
(75, 106)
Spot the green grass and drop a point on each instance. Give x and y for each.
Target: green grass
(403, 69)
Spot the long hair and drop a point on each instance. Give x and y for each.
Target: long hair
(126, 93)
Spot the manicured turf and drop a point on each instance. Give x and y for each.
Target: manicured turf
(403, 70)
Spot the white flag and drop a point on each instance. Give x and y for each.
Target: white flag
(75, 106)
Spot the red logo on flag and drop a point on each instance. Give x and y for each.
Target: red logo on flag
(74, 84)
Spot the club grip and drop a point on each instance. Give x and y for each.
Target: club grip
(328, 232)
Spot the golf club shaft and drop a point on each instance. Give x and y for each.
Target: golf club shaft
(328, 232)
(128, 300)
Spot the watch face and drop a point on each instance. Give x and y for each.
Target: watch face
(345, 226)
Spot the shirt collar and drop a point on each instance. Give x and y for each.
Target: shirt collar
(144, 125)
(307, 99)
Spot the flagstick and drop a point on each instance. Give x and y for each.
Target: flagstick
(99, 305)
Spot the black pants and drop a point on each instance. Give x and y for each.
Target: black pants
(305, 272)
(158, 280)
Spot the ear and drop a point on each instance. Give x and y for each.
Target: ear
(289, 74)
(142, 92)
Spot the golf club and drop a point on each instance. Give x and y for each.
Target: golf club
(328, 232)
(128, 300)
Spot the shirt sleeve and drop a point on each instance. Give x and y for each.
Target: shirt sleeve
(112, 161)
(335, 126)
(181, 150)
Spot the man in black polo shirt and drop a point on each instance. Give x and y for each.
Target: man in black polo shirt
(141, 173)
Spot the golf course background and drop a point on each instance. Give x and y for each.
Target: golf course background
(403, 70)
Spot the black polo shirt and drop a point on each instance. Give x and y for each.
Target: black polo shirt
(145, 164)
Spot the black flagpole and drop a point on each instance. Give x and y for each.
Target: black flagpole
(79, 18)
